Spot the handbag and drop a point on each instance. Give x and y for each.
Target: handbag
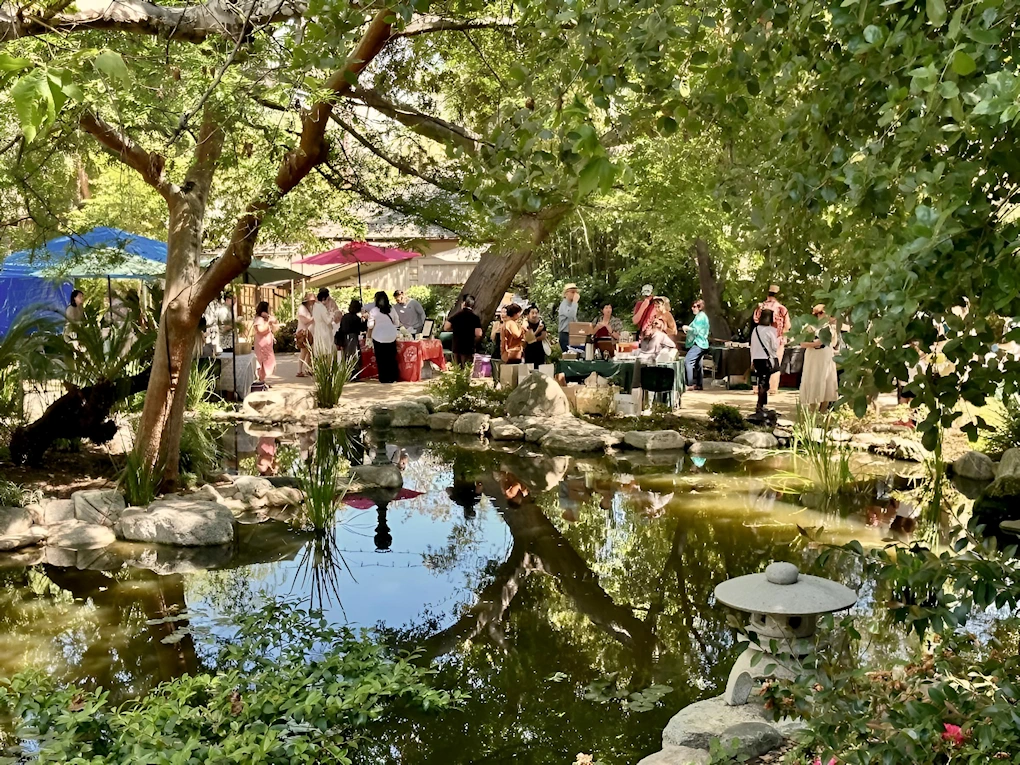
(773, 361)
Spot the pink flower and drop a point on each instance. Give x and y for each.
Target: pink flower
(954, 733)
(818, 761)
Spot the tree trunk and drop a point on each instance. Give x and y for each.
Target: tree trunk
(159, 430)
(711, 291)
(499, 264)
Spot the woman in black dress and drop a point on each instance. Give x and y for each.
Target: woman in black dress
(535, 336)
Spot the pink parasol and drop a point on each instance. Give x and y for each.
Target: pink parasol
(359, 252)
(360, 502)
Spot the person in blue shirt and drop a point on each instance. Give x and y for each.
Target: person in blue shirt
(697, 346)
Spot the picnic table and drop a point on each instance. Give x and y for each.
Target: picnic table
(411, 355)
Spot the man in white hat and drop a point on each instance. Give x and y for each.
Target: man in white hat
(781, 322)
(568, 313)
(303, 337)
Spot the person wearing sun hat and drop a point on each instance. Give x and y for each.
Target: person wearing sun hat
(780, 322)
(568, 313)
(644, 308)
(819, 384)
(303, 337)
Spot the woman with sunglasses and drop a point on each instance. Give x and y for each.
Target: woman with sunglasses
(819, 384)
(697, 346)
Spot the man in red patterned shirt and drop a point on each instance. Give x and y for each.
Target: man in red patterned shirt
(781, 321)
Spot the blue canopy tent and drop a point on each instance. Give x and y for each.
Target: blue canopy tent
(21, 282)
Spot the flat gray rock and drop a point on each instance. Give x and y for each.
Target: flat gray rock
(442, 420)
(284, 496)
(102, 506)
(974, 466)
(753, 738)
(79, 535)
(472, 424)
(718, 449)
(535, 434)
(502, 430)
(209, 493)
(538, 395)
(1009, 465)
(179, 522)
(377, 476)
(909, 450)
(15, 521)
(56, 511)
(409, 414)
(33, 536)
(865, 442)
(654, 440)
(677, 755)
(757, 440)
(249, 486)
(696, 725)
(563, 442)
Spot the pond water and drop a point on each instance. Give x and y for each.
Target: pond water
(538, 584)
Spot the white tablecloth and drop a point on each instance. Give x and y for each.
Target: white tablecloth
(245, 374)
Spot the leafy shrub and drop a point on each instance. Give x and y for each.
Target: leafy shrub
(726, 418)
(455, 391)
(1006, 432)
(12, 494)
(286, 337)
(201, 386)
(331, 372)
(288, 689)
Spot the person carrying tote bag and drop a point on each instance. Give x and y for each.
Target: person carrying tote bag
(382, 331)
(764, 356)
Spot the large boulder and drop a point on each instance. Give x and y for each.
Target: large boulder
(53, 511)
(182, 522)
(538, 396)
(249, 487)
(15, 521)
(654, 440)
(409, 414)
(719, 449)
(472, 424)
(757, 440)
(33, 536)
(696, 725)
(284, 496)
(503, 430)
(102, 506)
(908, 449)
(752, 739)
(678, 755)
(974, 466)
(1007, 479)
(79, 535)
(376, 476)
(442, 420)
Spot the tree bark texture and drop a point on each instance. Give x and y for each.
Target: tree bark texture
(79, 413)
(711, 291)
(496, 269)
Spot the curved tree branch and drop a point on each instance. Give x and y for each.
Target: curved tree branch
(193, 23)
(439, 130)
(150, 165)
(428, 24)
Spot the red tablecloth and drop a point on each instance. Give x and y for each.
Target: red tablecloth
(411, 354)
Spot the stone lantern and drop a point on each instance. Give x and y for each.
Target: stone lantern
(784, 606)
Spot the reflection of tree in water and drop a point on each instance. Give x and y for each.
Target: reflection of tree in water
(93, 627)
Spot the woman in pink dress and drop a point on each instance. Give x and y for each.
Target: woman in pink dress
(262, 334)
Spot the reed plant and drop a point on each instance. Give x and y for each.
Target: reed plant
(201, 386)
(139, 481)
(330, 373)
(820, 463)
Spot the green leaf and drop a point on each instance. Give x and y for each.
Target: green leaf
(872, 34)
(936, 10)
(598, 172)
(112, 64)
(33, 101)
(963, 64)
(13, 64)
(949, 89)
(699, 58)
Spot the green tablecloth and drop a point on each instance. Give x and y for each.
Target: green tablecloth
(626, 374)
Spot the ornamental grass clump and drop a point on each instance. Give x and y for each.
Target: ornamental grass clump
(330, 373)
(287, 687)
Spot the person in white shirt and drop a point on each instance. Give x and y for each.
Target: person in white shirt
(322, 326)
(382, 331)
(764, 355)
(305, 333)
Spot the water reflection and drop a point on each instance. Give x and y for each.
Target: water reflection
(526, 576)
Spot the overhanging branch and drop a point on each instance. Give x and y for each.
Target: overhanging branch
(439, 130)
(149, 165)
(428, 24)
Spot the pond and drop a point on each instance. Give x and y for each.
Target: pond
(540, 585)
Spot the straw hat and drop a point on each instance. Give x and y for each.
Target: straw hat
(820, 308)
(569, 287)
(647, 290)
(773, 289)
(308, 298)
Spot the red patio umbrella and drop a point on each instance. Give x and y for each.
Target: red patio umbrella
(359, 252)
(361, 502)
